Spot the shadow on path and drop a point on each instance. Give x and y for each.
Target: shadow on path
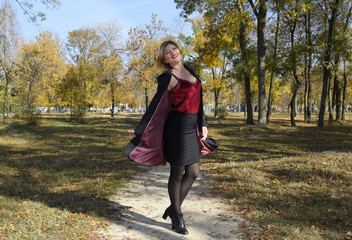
(142, 202)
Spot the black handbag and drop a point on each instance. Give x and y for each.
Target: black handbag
(212, 143)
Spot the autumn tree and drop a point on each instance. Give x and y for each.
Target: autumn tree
(292, 21)
(84, 46)
(53, 70)
(332, 9)
(29, 80)
(260, 8)
(245, 61)
(308, 56)
(142, 47)
(40, 65)
(347, 69)
(229, 26)
(8, 46)
(274, 58)
(111, 60)
(214, 55)
(72, 94)
(341, 53)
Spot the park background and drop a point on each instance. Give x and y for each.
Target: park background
(272, 71)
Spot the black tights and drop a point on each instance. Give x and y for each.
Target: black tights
(180, 182)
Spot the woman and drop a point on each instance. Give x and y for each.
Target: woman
(173, 129)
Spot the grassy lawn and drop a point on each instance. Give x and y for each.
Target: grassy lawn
(56, 179)
(296, 182)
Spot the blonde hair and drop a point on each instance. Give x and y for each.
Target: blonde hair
(161, 56)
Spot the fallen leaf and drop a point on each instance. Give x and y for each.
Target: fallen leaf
(234, 232)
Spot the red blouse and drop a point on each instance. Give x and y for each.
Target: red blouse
(185, 96)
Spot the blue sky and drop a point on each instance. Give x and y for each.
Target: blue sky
(74, 14)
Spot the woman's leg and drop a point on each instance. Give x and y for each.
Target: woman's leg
(191, 174)
(180, 182)
(175, 186)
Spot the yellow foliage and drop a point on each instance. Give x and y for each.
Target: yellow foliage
(143, 44)
(41, 66)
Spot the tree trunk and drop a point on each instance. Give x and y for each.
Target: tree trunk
(293, 102)
(112, 88)
(30, 100)
(270, 95)
(216, 99)
(305, 103)
(337, 90)
(308, 68)
(245, 72)
(330, 100)
(261, 21)
(344, 91)
(334, 88)
(260, 10)
(338, 100)
(217, 90)
(71, 105)
(146, 98)
(344, 69)
(5, 97)
(249, 108)
(4, 69)
(326, 71)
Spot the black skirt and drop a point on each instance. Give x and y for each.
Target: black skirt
(181, 145)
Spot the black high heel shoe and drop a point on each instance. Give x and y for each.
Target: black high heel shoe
(168, 213)
(179, 224)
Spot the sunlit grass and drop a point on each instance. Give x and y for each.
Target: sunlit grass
(56, 178)
(296, 182)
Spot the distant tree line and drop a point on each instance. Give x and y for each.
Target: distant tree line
(259, 55)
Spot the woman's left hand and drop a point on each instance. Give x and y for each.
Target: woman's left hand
(204, 133)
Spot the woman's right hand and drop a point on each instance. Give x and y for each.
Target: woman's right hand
(131, 133)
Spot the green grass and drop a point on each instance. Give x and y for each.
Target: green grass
(295, 182)
(56, 178)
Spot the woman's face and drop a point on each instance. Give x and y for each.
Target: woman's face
(172, 55)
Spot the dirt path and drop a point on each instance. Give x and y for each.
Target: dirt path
(142, 203)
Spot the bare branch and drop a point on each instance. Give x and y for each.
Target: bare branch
(33, 16)
(253, 7)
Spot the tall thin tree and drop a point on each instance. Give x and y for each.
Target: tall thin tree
(260, 11)
(8, 43)
(327, 56)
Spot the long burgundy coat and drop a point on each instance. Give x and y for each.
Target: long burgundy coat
(147, 147)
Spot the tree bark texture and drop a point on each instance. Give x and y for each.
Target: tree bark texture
(261, 48)
(344, 91)
(112, 88)
(326, 69)
(330, 99)
(337, 92)
(295, 76)
(308, 69)
(270, 95)
(245, 72)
